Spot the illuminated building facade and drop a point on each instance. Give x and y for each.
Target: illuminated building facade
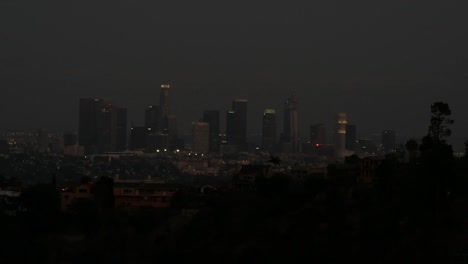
(164, 100)
(200, 137)
(340, 135)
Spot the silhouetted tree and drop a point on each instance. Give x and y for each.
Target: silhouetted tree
(437, 157)
(440, 121)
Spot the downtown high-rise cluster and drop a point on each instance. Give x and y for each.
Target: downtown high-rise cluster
(103, 129)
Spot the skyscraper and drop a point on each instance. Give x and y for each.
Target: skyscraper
(103, 127)
(388, 140)
(164, 100)
(89, 109)
(340, 135)
(167, 121)
(290, 133)
(318, 134)
(138, 137)
(200, 137)
(120, 129)
(212, 117)
(269, 130)
(351, 137)
(106, 121)
(152, 117)
(236, 124)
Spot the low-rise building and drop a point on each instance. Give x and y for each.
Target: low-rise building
(368, 170)
(143, 194)
(244, 181)
(302, 173)
(10, 202)
(71, 193)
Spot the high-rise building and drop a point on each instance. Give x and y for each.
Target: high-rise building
(200, 137)
(89, 109)
(351, 137)
(138, 137)
(120, 129)
(167, 121)
(103, 127)
(340, 135)
(232, 127)
(236, 124)
(157, 142)
(269, 130)
(290, 132)
(152, 117)
(388, 140)
(318, 134)
(164, 100)
(106, 129)
(212, 117)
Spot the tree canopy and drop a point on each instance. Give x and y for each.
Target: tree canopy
(440, 121)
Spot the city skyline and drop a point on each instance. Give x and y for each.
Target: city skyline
(381, 64)
(255, 132)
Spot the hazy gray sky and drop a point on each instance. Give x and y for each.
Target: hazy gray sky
(382, 62)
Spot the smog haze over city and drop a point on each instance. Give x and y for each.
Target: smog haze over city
(258, 131)
(383, 63)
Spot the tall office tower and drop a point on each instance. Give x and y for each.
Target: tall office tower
(172, 131)
(232, 128)
(269, 130)
(290, 133)
(138, 137)
(236, 124)
(157, 142)
(120, 129)
(200, 137)
(212, 117)
(318, 134)
(240, 107)
(388, 140)
(106, 129)
(111, 129)
(88, 121)
(340, 135)
(152, 117)
(168, 121)
(351, 136)
(164, 100)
